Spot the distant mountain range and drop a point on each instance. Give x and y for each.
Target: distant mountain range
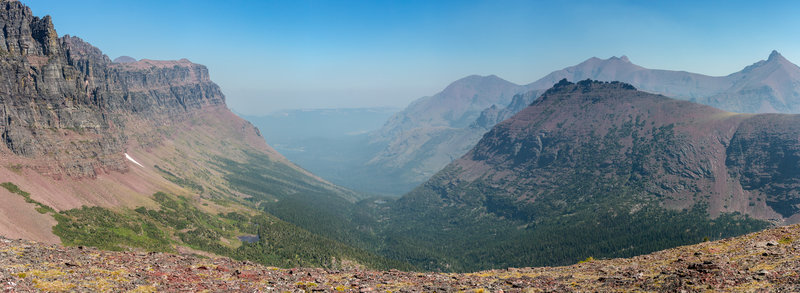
(602, 169)
(435, 130)
(768, 86)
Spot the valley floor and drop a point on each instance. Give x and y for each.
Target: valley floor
(762, 261)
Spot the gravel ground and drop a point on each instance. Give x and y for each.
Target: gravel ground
(766, 261)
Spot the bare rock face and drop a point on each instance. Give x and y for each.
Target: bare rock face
(765, 156)
(68, 108)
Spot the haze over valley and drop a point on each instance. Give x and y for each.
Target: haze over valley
(377, 146)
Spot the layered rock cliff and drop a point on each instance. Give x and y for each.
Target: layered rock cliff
(65, 105)
(80, 130)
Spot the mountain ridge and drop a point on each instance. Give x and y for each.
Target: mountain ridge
(609, 169)
(771, 85)
(684, 116)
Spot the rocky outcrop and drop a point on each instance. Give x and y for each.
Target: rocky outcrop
(71, 111)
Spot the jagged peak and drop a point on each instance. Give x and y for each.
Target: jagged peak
(594, 61)
(584, 86)
(775, 60)
(775, 56)
(590, 83)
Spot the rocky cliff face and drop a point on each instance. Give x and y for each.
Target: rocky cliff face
(79, 130)
(66, 107)
(764, 156)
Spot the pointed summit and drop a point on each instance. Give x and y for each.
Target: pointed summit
(613, 68)
(775, 56)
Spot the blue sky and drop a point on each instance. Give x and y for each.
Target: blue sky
(272, 55)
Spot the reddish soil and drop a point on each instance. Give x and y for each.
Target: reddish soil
(766, 261)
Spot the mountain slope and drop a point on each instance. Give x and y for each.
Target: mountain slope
(768, 86)
(86, 140)
(455, 106)
(601, 169)
(429, 133)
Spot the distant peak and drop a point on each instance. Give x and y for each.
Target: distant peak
(775, 56)
(612, 59)
(124, 59)
(622, 58)
(775, 59)
(474, 79)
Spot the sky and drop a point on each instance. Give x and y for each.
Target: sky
(273, 55)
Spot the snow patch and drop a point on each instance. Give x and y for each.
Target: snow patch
(127, 156)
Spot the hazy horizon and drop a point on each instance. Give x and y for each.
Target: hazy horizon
(279, 55)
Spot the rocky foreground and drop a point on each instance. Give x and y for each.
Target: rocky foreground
(763, 261)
